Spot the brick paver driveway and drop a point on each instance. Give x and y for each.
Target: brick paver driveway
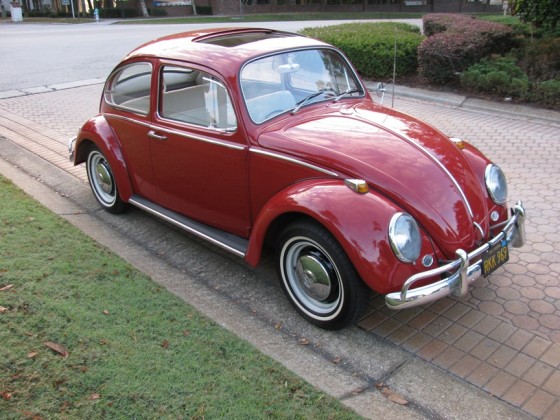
(505, 336)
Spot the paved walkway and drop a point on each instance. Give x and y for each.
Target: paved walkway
(504, 338)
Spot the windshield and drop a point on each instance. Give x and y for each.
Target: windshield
(288, 81)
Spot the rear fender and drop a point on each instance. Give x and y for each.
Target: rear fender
(359, 222)
(98, 132)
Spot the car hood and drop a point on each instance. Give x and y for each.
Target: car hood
(402, 158)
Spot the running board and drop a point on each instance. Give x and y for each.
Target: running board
(232, 243)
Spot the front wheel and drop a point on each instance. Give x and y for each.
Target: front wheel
(317, 276)
(102, 182)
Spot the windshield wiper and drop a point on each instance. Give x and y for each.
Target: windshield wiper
(306, 99)
(346, 92)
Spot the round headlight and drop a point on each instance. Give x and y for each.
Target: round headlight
(496, 184)
(404, 236)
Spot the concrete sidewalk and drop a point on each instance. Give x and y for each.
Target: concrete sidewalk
(496, 351)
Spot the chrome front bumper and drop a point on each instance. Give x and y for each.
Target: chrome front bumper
(72, 147)
(463, 272)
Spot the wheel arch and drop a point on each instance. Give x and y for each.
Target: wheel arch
(358, 222)
(97, 133)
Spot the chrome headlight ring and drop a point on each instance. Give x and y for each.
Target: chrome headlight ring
(496, 184)
(404, 237)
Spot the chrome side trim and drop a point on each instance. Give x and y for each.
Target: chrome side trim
(293, 160)
(177, 132)
(128, 119)
(191, 226)
(463, 272)
(197, 137)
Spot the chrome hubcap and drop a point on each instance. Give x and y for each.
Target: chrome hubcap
(313, 277)
(104, 177)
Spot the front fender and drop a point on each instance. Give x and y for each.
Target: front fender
(98, 131)
(359, 222)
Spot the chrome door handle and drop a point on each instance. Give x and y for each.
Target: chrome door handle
(156, 136)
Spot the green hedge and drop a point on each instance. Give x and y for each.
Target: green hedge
(370, 46)
(456, 42)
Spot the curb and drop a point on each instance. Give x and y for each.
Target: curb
(461, 101)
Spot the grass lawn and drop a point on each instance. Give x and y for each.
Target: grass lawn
(276, 17)
(85, 335)
(226, 19)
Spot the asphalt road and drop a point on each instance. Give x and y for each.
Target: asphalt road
(45, 54)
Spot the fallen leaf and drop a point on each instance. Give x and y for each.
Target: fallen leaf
(186, 333)
(59, 348)
(303, 341)
(165, 344)
(357, 391)
(7, 287)
(94, 397)
(7, 395)
(393, 396)
(32, 354)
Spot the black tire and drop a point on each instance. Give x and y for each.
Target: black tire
(317, 276)
(102, 182)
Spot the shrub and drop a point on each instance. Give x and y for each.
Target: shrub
(458, 42)
(497, 75)
(371, 46)
(547, 93)
(540, 58)
(437, 23)
(541, 13)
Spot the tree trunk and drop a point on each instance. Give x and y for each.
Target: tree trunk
(144, 8)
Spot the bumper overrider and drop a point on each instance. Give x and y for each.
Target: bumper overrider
(462, 271)
(72, 148)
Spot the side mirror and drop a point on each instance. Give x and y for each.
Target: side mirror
(380, 90)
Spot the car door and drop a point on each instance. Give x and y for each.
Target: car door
(199, 155)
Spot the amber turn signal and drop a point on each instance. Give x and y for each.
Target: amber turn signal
(358, 185)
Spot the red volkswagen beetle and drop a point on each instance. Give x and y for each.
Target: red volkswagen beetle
(254, 138)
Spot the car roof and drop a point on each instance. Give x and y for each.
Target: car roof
(223, 48)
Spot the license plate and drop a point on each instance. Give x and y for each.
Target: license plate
(494, 258)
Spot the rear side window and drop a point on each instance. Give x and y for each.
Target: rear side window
(130, 88)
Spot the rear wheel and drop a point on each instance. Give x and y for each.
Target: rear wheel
(317, 276)
(102, 182)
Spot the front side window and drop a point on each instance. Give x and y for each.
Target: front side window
(130, 87)
(195, 97)
(275, 84)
